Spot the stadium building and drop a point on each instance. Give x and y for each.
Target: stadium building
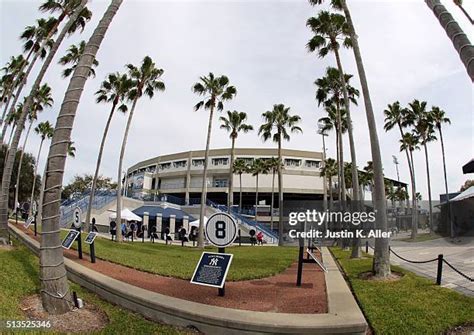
(180, 176)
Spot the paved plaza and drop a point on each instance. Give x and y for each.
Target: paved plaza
(459, 252)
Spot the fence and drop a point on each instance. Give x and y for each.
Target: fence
(440, 259)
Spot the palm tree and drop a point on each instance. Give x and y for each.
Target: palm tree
(381, 263)
(7, 171)
(439, 117)
(12, 121)
(42, 35)
(365, 180)
(43, 98)
(273, 165)
(45, 130)
(146, 79)
(424, 128)
(74, 53)
(328, 171)
(114, 90)
(390, 191)
(334, 119)
(33, 37)
(460, 40)
(215, 91)
(402, 196)
(277, 123)
(240, 167)
(329, 28)
(38, 38)
(396, 116)
(234, 123)
(54, 285)
(258, 167)
(12, 75)
(410, 143)
(330, 93)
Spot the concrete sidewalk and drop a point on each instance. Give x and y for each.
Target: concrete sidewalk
(459, 253)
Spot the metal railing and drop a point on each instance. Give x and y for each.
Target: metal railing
(101, 199)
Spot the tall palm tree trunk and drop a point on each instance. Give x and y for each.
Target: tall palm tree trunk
(256, 200)
(355, 176)
(350, 130)
(341, 162)
(325, 184)
(280, 194)
(450, 218)
(32, 198)
(11, 135)
(119, 171)
(382, 252)
(8, 167)
(428, 180)
(5, 109)
(273, 198)
(414, 214)
(331, 199)
(414, 228)
(20, 163)
(204, 180)
(240, 200)
(230, 200)
(457, 36)
(97, 168)
(54, 285)
(338, 166)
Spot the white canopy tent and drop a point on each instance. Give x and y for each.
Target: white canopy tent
(469, 193)
(126, 214)
(196, 222)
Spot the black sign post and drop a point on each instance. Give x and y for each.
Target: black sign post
(212, 269)
(221, 230)
(90, 238)
(79, 243)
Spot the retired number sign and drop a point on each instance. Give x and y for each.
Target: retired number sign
(77, 217)
(221, 230)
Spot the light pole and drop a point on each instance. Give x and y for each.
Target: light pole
(395, 161)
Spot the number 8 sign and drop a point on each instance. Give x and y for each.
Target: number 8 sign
(221, 230)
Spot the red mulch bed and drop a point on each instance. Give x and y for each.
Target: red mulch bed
(273, 294)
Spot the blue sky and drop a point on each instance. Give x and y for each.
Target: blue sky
(260, 46)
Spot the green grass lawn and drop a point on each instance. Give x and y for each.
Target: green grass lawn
(422, 237)
(411, 305)
(19, 278)
(176, 261)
